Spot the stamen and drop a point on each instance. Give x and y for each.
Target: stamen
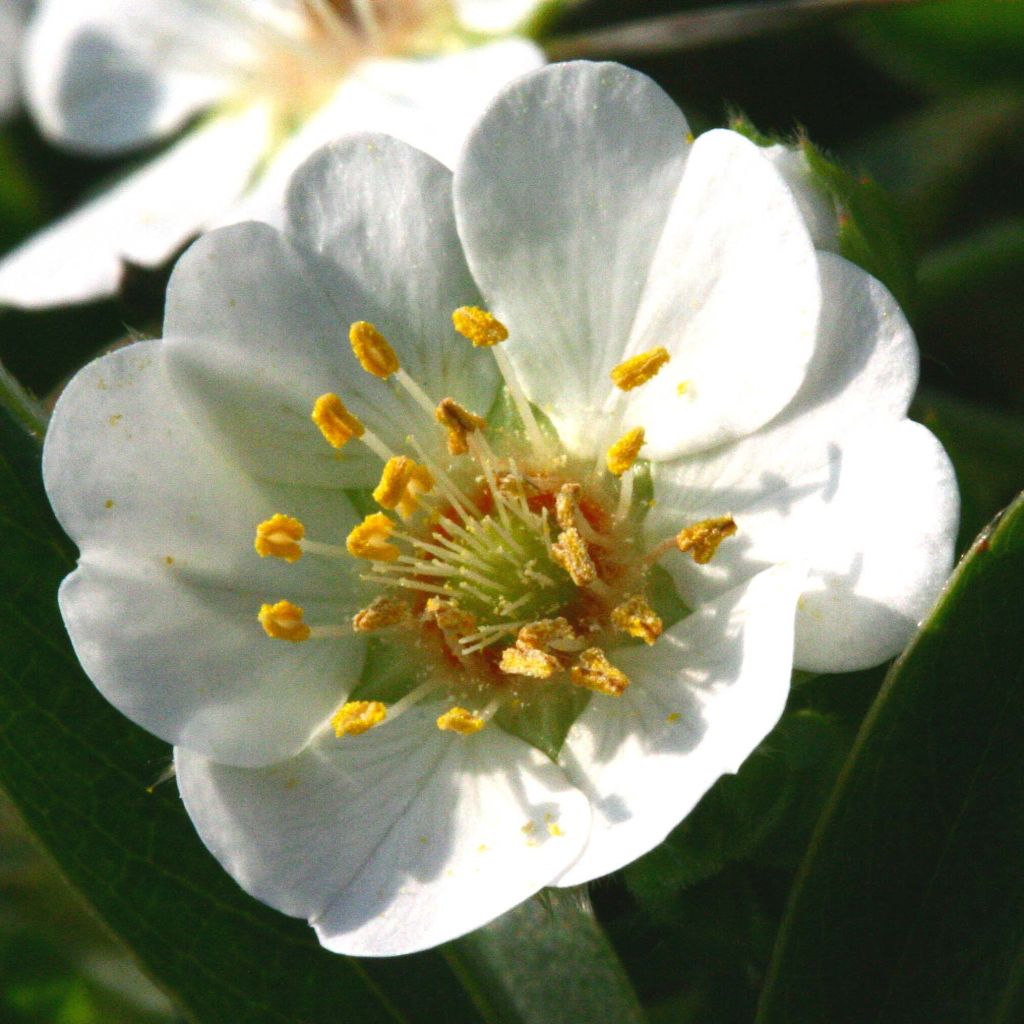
(545, 634)
(357, 717)
(279, 537)
(529, 661)
(570, 552)
(336, 423)
(380, 614)
(370, 539)
(450, 618)
(373, 350)
(566, 502)
(283, 621)
(595, 672)
(624, 452)
(401, 484)
(483, 329)
(639, 369)
(459, 423)
(637, 618)
(702, 539)
(460, 721)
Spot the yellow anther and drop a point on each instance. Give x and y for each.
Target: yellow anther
(637, 618)
(623, 453)
(381, 613)
(639, 369)
(279, 537)
(548, 633)
(401, 484)
(459, 423)
(482, 328)
(450, 618)
(597, 673)
(459, 720)
(570, 552)
(566, 502)
(283, 621)
(702, 539)
(370, 539)
(529, 661)
(372, 350)
(357, 717)
(336, 423)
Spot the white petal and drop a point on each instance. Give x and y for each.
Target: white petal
(561, 196)
(371, 238)
(144, 219)
(816, 205)
(495, 15)
(393, 841)
(733, 294)
(107, 75)
(162, 610)
(700, 701)
(839, 481)
(431, 103)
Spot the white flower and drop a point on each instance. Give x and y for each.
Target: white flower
(262, 84)
(372, 775)
(13, 14)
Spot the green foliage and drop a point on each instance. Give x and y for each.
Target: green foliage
(910, 902)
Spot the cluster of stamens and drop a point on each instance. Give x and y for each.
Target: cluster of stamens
(511, 572)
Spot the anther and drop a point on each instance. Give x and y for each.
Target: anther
(480, 327)
(702, 539)
(570, 552)
(566, 502)
(372, 350)
(279, 537)
(460, 721)
(336, 423)
(595, 672)
(283, 621)
(459, 423)
(380, 614)
(637, 618)
(639, 369)
(623, 453)
(452, 620)
(401, 484)
(546, 634)
(529, 661)
(370, 539)
(357, 717)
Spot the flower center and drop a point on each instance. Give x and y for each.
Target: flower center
(511, 569)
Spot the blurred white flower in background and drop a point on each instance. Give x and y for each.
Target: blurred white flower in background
(13, 16)
(259, 85)
(490, 683)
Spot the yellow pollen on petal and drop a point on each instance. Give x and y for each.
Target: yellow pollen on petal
(595, 672)
(546, 633)
(637, 618)
(623, 453)
(459, 720)
(529, 661)
(380, 614)
(459, 423)
(570, 552)
(283, 621)
(279, 537)
(480, 327)
(702, 539)
(357, 717)
(566, 502)
(401, 484)
(639, 369)
(336, 423)
(370, 539)
(372, 350)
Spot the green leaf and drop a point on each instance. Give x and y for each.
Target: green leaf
(546, 962)
(80, 774)
(871, 232)
(910, 904)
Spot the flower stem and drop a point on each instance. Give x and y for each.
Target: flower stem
(24, 407)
